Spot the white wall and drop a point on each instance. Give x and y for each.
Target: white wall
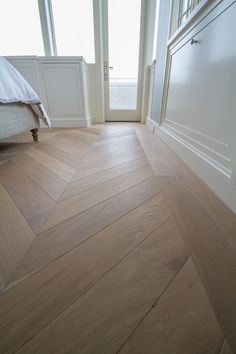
(197, 117)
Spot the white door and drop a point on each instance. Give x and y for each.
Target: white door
(122, 53)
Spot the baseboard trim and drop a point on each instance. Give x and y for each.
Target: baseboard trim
(215, 178)
(69, 123)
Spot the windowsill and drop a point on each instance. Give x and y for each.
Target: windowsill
(200, 8)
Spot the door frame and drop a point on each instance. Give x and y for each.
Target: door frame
(123, 115)
(145, 56)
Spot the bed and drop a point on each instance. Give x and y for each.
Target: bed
(17, 118)
(20, 107)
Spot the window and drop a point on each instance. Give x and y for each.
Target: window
(73, 22)
(20, 29)
(123, 38)
(156, 30)
(186, 7)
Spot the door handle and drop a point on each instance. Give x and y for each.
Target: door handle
(106, 71)
(194, 41)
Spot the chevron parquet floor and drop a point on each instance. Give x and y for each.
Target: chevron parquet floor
(91, 258)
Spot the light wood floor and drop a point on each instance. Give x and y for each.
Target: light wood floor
(110, 244)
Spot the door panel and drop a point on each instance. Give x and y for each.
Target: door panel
(121, 67)
(200, 109)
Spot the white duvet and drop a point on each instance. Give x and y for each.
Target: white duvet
(14, 88)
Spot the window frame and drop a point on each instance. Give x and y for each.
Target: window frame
(185, 13)
(47, 27)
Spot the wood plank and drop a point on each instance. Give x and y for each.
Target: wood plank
(223, 218)
(108, 136)
(226, 348)
(8, 150)
(123, 297)
(78, 136)
(69, 145)
(221, 214)
(92, 181)
(100, 156)
(115, 148)
(177, 165)
(162, 155)
(182, 321)
(16, 237)
(48, 181)
(214, 256)
(59, 168)
(53, 243)
(108, 163)
(66, 157)
(34, 204)
(67, 208)
(153, 148)
(65, 280)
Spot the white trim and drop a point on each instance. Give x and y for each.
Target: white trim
(202, 10)
(187, 142)
(70, 123)
(123, 115)
(47, 27)
(99, 59)
(149, 27)
(199, 140)
(64, 59)
(95, 120)
(210, 172)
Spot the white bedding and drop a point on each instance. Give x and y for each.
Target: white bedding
(14, 88)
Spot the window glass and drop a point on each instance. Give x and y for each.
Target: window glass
(20, 29)
(186, 7)
(123, 34)
(155, 30)
(73, 22)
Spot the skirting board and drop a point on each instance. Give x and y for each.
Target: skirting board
(72, 123)
(219, 183)
(69, 123)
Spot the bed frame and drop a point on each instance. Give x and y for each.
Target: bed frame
(17, 118)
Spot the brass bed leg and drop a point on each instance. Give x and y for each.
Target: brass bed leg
(35, 134)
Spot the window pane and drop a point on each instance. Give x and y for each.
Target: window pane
(123, 35)
(20, 29)
(186, 7)
(73, 21)
(156, 30)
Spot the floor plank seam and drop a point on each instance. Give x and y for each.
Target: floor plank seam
(194, 196)
(60, 223)
(153, 305)
(3, 290)
(26, 174)
(109, 293)
(100, 278)
(18, 209)
(100, 184)
(39, 162)
(74, 180)
(60, 150)
(62, 255)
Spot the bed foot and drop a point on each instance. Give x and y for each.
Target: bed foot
(35, 134)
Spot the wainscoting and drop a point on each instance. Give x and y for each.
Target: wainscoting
(63, 85)
(150, 92)
(198, 106)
